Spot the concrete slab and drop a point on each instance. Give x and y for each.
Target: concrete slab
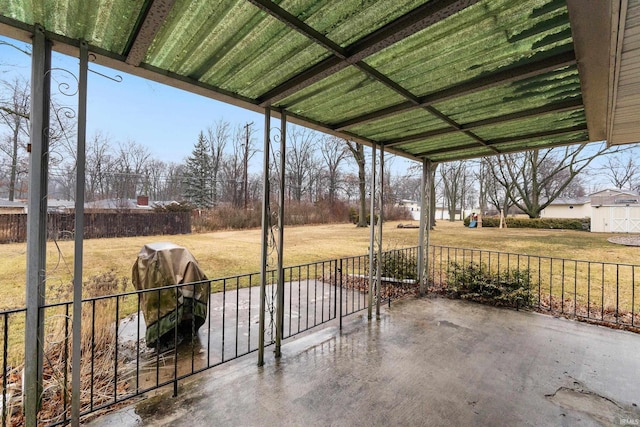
(429, 362)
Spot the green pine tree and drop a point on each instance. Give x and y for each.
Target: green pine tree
(198, 185)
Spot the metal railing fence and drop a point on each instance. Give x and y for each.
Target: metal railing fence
(600, 292)
(117, 365)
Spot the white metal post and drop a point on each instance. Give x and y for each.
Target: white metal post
(425, 224)
(266, 228)
(79, 235)
(379, 221)
(37, 223)
(280, 290)
(372, 230)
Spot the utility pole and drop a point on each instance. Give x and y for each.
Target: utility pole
(245, 173)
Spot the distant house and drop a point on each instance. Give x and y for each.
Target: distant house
(412, 206)
(60, 206)
(615, 211)
(12, 207)
(441, 213)
(568, 208)
(139, 204)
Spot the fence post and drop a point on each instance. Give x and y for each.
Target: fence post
(340, 284)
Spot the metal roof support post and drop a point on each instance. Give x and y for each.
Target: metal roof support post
(380, 194)
(425, 225)
(372, 229)
(79, 236)
(265, 234)
(37, 224)
(280, 290)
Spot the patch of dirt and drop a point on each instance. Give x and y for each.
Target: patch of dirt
(630, 240)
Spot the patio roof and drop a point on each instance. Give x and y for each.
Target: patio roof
(438, 80)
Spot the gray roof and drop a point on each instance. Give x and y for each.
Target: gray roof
(4, 203)
(571, 201)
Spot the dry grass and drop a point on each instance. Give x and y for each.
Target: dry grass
(226, 253)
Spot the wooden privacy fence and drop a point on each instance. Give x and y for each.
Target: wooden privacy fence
(60, 226)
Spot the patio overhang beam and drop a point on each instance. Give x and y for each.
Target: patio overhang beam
(397, 30)
(457, 127)
(497, 141)
(149, 22)
(481, 83)
(557, 107)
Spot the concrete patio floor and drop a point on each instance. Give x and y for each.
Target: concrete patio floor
(424, 362)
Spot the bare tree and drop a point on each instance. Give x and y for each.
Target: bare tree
(174, 185)
(301, 162)
(333, 151)
(14, 114)
(130, 168)
(455, 179)
(357, 150)
(623, 170)
(232, 168)
(538, 177)
(99, 167)
(217, 136)
(496, 193)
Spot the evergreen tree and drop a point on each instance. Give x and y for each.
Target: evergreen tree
(198, 185)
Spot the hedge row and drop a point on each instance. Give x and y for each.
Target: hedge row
(547, 223)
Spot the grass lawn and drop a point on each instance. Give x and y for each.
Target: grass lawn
(230, 253)
(227, 253)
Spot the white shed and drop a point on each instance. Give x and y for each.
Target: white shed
(568, 208)
(615, 211)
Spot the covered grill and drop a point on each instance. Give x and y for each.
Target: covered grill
(170, 309)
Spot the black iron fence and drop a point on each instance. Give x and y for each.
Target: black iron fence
(599, 292)
(117, 365)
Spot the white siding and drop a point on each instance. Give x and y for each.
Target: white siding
(627, 103)
(616, 219)
(567, 211)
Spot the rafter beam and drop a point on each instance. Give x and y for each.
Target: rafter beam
(151, 20)
(493, 142)
(502, 77)
(557, 107)
(397, 30)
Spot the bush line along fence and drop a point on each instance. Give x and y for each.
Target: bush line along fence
(544, 223)
(60, 226)
(117, 366)
(599, 292)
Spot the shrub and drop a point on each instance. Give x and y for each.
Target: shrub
(477, 282)
(174, 207)
(541, 223)
(399, 265)
(353, 215)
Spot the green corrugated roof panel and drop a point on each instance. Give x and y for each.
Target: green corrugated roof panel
(543, 123)
(555, 86)
(231, 45)
(437, 143)
(468, 153)
(568, 139)
(505, 32)
(347, 93)
(103, 23)
(409, 123)
(347, 21)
